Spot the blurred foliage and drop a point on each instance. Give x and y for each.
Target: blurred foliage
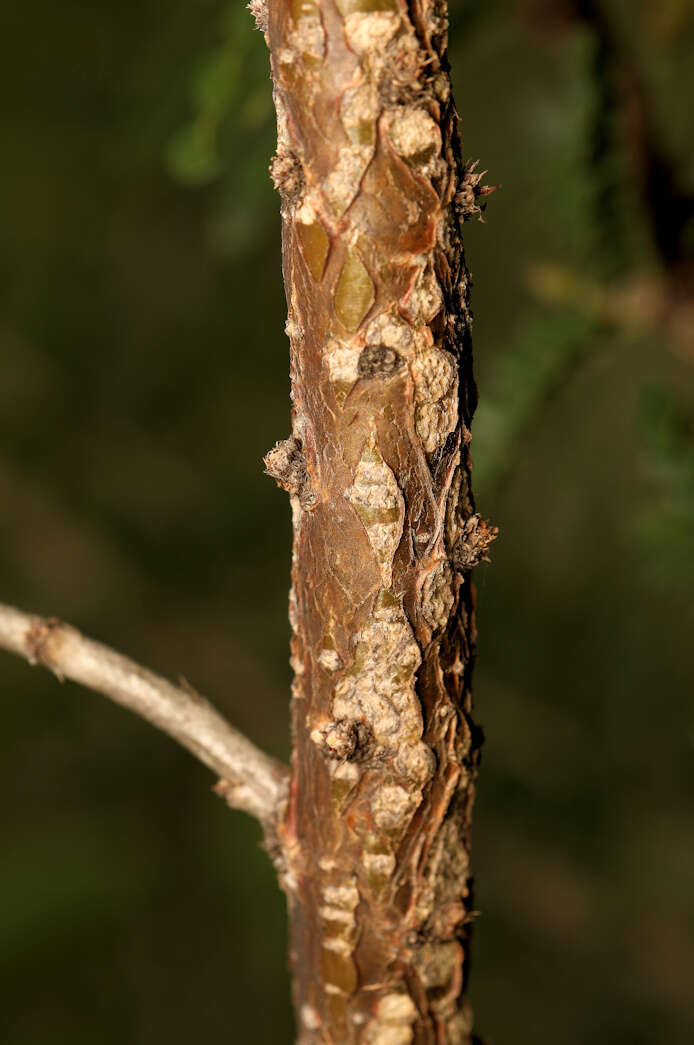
(219, 93)
(544, 355)
(666, 526)
(232, 115)
(143, 373)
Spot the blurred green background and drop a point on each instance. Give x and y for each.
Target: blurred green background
(143, 374)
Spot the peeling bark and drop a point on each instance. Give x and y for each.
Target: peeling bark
(377, 832)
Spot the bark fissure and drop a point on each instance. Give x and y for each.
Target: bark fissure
(377, 831)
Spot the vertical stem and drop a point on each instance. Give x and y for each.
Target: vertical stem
(377, 833)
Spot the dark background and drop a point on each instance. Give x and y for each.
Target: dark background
(143, 374)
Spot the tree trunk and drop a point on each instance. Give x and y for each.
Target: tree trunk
(376, 836)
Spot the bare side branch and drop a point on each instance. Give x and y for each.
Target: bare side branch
(250, 779)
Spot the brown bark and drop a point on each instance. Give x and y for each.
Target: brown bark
(376, 836)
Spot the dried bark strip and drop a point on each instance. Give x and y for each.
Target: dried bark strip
(377, 832)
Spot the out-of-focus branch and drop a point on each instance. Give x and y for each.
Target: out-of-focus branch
(250, 779)
(640, 302)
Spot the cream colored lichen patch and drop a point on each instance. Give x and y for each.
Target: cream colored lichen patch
(379, 867)
(416, 762)
(378, 502)
(339, 932)
(309, 35)
(437, 595)
(342, 185)
(309, 38)
(392, 1023)
(434, 374)
(378, 687)
(392, 807)
(434, 422)
(441, 907)
(371, 30)
(437, 963)
(425, 300)
(282, 123)
(343, 363)
(329, 659)
(446, 872)
(436, 396)
(413, 133)
(358, 112)
(344, 896)
(310, 1018)
(389, 329)
(378, 690)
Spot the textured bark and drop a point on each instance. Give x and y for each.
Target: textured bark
(377, 833)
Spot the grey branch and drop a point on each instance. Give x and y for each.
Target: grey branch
(250, 779)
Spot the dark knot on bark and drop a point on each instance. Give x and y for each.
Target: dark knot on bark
(379, 361)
